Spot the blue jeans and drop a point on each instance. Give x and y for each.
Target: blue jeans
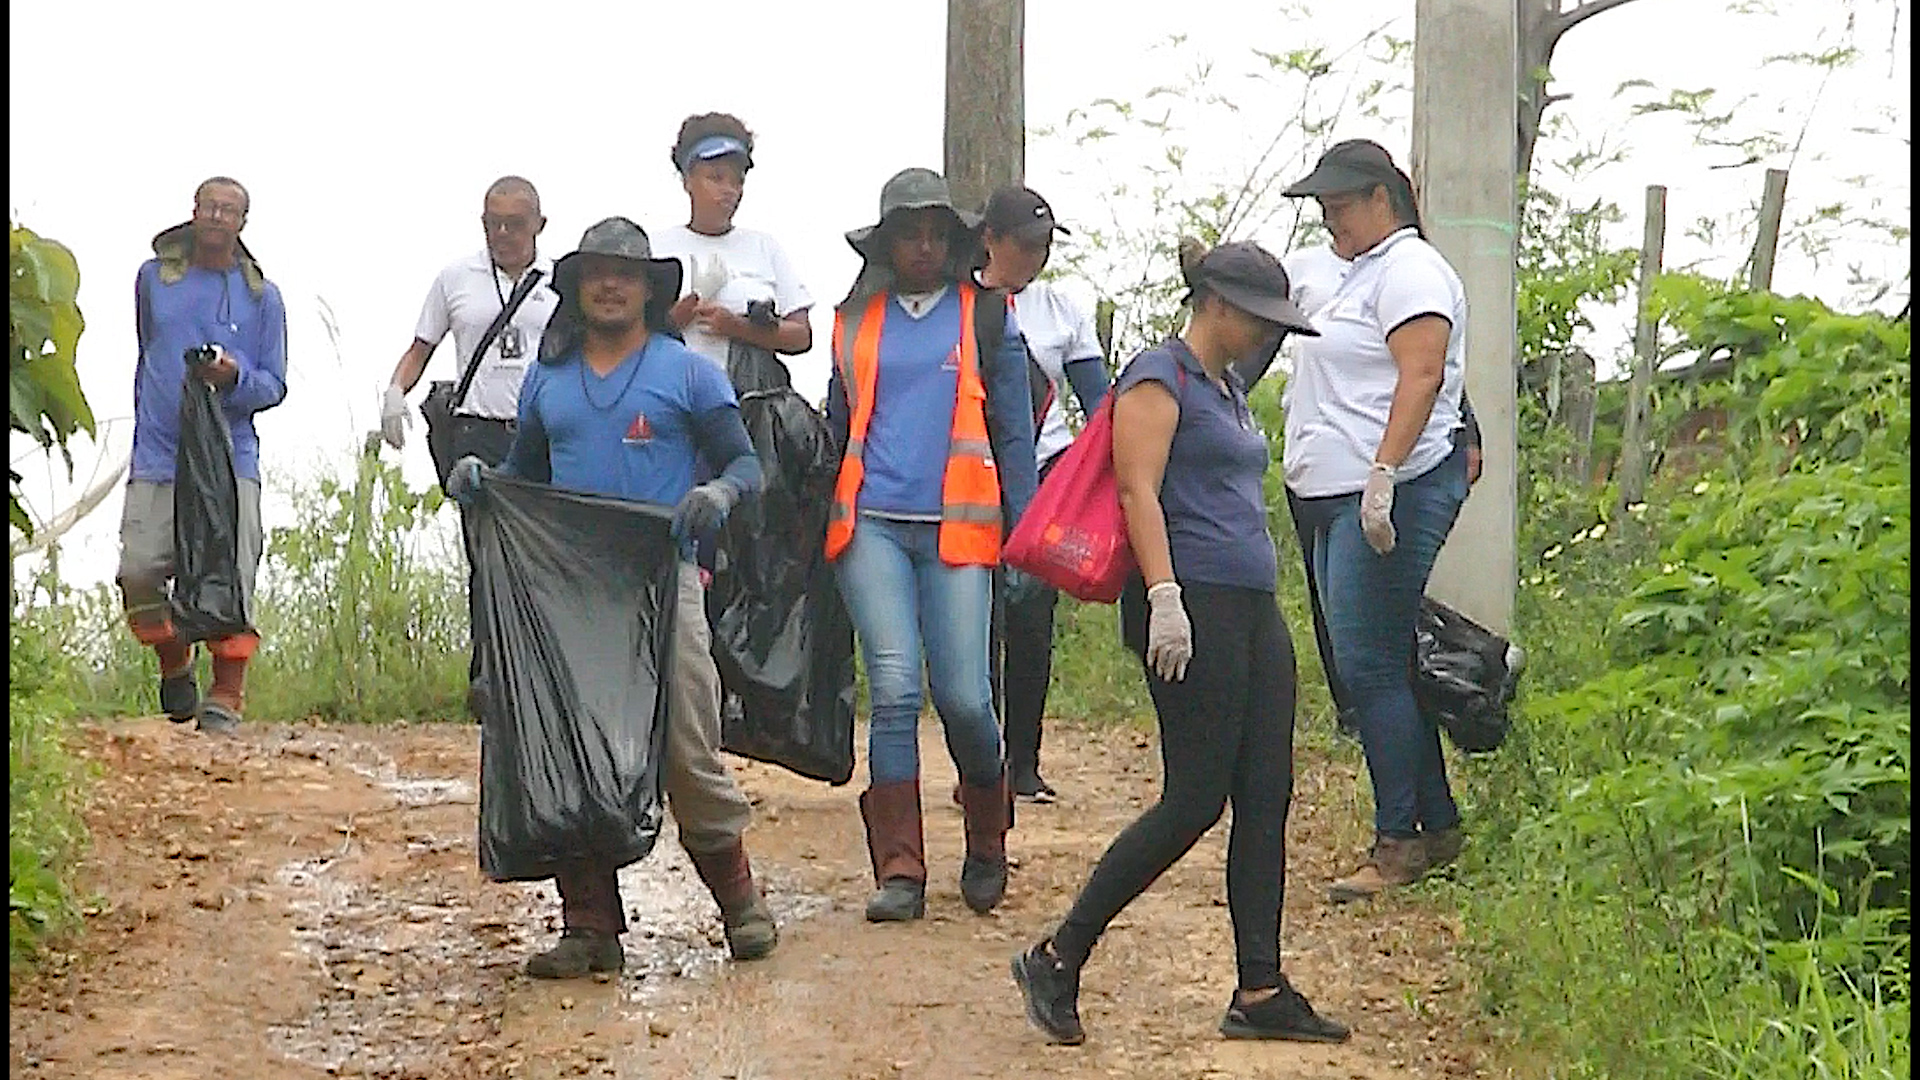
(906, 603)
(1372, 606)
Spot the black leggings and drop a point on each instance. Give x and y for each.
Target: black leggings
(1226, 733)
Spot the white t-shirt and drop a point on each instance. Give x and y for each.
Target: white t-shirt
(732, 270)
(465, 299)
(1058, 332)
(1341, 392)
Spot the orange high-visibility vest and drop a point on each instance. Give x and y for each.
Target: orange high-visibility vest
(970, 519)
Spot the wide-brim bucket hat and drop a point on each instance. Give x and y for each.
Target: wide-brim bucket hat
(913, 189)
(620, 238)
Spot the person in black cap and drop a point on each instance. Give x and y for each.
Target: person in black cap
(729, 269)
(1376, 477)
(618, 407)
(1017, 236)
(1190, 462)
(930, 399)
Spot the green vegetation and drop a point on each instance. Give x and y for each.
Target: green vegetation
(1695, 851)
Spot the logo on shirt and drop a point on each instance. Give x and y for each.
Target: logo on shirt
(952, 362)
(639, 432)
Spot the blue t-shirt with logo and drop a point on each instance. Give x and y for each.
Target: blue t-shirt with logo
(1211, 493)
(634, 433)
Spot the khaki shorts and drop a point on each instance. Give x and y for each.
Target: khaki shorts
(146, 544)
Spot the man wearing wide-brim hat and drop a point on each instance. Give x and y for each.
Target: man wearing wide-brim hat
(938, 467)
(619, 407)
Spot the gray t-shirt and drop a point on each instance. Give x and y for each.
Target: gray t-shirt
(1212, 493)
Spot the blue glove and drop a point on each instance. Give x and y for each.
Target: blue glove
(704, 508)
(1022, 587)
(463, 483)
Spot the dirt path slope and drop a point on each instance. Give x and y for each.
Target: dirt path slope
(303, 902)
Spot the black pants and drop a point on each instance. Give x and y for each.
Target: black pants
(1226, 733)
(488, 440)
(1026, 672)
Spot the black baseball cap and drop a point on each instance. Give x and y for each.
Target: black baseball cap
(1019, 211)
(1247, 276)
(1353, 165)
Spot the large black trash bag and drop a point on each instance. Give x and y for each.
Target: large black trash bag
(574, 624)
(1465, 677)
(781, 636)
(207, 599)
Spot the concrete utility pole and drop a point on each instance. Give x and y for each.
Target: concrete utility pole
(1646, 331)
(986, 133)
(1465, 130)
(1773, 205)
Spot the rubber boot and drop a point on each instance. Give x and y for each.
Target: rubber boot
(751, 933)
(983, 876)
(897, 843)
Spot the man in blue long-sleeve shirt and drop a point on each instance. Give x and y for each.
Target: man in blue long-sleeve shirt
(202, 288)
(618, 407)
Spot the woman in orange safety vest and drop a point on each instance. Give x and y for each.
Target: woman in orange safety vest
(930, 399)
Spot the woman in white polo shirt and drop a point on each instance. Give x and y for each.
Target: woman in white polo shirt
(730, 271)
(1377, 479)
(1017, 235)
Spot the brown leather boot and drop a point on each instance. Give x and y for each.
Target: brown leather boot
(751, 933)
(897, 844)
(1393, 862)
(1442, 846)
(983, 876)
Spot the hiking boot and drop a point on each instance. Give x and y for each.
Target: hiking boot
(180, 695)
(897, 844)
(1052, 992)
(983, 875)
(1442, 846)
(898, 900)
(579, 954)
(1393, 862)
(217, 719)
(1032, 788)
(1285, 1015)
(751, 933)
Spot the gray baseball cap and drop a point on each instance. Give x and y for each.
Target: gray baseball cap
(621, 239)
(1353, 165)
(1247, 276)
(912, 189)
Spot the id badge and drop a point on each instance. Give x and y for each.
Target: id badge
(513, 344)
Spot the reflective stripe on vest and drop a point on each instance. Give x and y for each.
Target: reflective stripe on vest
(970, 518)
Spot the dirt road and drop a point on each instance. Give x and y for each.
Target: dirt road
(304, 902)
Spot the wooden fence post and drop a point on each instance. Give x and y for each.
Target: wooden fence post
(1773, 204)
(1633, 448)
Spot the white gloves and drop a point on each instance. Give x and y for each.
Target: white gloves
(1376, 508)
(394, 419)
(1169, 633)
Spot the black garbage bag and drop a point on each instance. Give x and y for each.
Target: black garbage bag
(781, 636)
(207, 599)
(1465, 677)
(575, 597)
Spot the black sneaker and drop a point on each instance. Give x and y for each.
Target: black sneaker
(1032, 788)
(180, 695)
(1285, 1015)
(217, 719)
(1052, 992)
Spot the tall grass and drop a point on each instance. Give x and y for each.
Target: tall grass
(361, 608)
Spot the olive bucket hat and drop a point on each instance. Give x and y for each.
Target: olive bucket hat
(912, 189)
(621, 239)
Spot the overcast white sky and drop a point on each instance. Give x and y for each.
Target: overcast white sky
(368, 131)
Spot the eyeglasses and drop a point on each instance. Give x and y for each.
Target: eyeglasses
(229, 211)
(506, 224)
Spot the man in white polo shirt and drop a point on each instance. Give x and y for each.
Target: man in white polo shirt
(466, 298)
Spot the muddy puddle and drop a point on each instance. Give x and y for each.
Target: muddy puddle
(419, 968)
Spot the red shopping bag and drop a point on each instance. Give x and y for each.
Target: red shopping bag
(1073, 535)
